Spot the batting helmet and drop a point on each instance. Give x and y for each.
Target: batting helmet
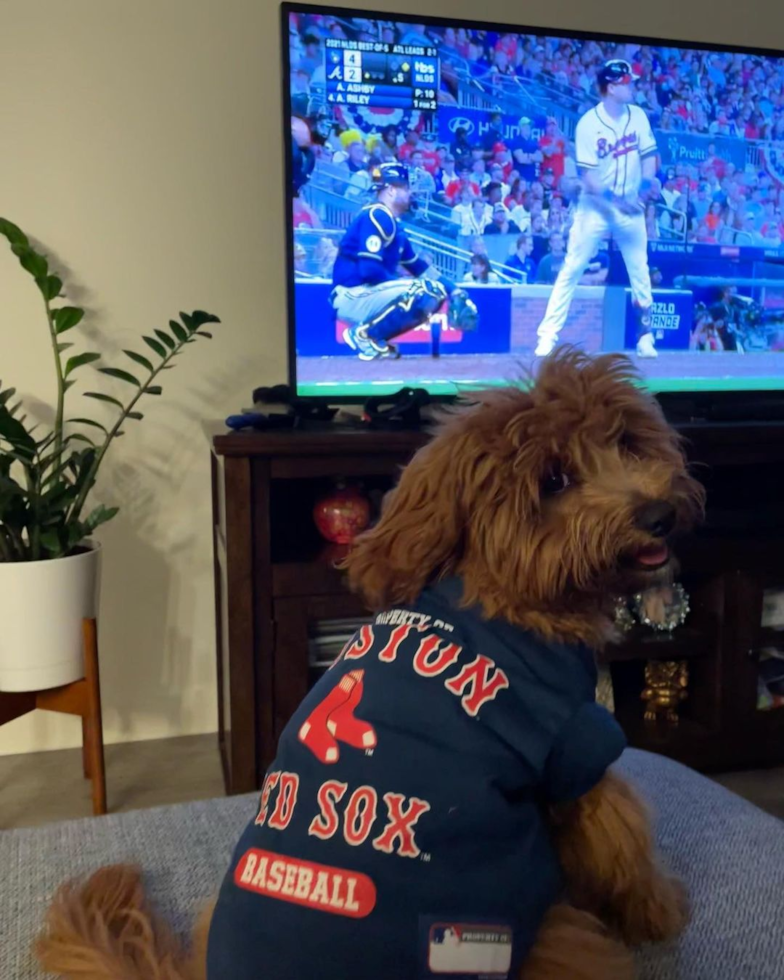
(615, 72)
(389, 173)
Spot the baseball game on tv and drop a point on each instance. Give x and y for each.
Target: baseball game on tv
(463, 198)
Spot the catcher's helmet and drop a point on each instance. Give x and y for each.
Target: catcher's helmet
(615, 72)
(389, 173)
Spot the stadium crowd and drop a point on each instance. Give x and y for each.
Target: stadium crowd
(525, 187)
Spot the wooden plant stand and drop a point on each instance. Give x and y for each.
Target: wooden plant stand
(81, 697)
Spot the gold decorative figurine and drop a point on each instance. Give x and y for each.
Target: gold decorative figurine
(666, 682)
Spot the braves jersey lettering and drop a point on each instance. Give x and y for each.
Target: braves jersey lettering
(624, 145)
(614, 148)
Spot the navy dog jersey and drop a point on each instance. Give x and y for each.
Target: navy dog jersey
(401, 831)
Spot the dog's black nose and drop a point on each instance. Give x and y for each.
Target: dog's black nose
(657, 517)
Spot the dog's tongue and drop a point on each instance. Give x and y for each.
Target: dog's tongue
(653, 554)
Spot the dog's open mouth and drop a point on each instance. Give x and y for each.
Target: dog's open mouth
(650, 557)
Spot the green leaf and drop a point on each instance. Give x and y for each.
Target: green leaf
(12, 232)
(81, 437)
(179, 332)
(7, 395)
(92, 422)
(100, 516)
(62, 348)
(159, 349)
(139, 359)
(68, 384)
(199, 318)
(104, 398)
(51, 541)
(154, 390)
(135, 415)
(66, 317)
(166, 339)
(120, 375)
(78, 361)
(203, 333)
(17, 436)
(31, 261)
(188, 321)
(50, 286)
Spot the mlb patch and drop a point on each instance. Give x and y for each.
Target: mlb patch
(467, 950)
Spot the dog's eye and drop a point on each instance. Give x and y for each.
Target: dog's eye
(555, 481)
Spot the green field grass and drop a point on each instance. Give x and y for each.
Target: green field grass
(361, 389)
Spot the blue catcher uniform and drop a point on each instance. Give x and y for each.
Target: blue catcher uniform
(401, 831)
(368, 292)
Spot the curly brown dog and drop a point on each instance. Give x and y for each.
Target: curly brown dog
(441, 803)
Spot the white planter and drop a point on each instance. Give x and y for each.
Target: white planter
(42, 605)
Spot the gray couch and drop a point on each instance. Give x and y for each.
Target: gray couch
(730, 853)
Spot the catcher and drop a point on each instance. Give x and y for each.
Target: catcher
(368, 292)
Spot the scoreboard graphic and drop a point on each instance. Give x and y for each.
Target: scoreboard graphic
(382, 75)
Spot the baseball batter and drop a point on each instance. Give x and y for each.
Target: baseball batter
(369, 293)
(616, 159)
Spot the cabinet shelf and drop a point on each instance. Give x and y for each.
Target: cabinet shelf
(642, 643)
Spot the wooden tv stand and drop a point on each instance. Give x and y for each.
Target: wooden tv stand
(274, 579)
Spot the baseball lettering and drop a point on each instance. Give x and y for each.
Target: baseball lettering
(317, 886)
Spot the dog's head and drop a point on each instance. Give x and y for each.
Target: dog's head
(546, 499)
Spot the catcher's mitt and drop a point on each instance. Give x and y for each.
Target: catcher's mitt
(463, 313)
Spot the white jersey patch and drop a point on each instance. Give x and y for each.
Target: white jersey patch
(614, 148)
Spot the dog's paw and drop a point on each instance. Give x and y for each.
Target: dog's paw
(657, 914)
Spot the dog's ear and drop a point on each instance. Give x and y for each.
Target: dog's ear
(419, 533)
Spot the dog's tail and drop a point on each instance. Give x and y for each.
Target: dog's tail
(102, 929)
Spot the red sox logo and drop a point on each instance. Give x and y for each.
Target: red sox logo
(333, 721)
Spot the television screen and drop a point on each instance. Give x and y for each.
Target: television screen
(463, 197)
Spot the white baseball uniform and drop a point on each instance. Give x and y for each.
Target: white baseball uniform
(613, 150)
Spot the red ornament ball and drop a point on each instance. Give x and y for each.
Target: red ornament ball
(342, 514)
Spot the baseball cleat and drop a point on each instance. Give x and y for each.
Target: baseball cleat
(544, 347)
(646, 347)
(367, 349)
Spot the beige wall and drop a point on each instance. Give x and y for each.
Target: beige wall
(141, 146)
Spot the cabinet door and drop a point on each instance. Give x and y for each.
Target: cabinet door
(757, 684)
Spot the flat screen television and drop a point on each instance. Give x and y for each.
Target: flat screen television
(462, 197)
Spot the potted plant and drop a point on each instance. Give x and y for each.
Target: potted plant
(49, 564)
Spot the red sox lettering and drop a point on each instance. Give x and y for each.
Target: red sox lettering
(396, 828)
